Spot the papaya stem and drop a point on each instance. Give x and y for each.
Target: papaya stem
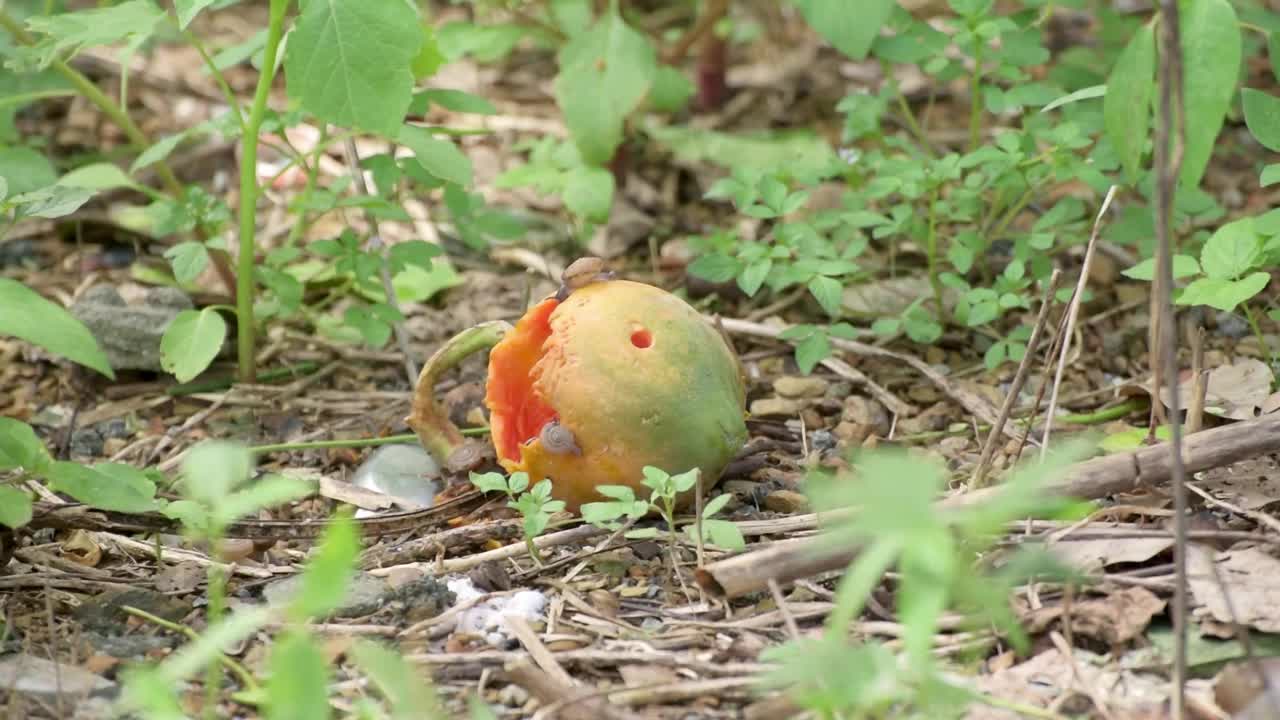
(438, 435)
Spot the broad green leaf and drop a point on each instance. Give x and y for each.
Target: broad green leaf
(68, 33)
(98, 176)
(28, 316)
(1270, 175)
(715, 268)
(298, 687)
(604, 74)
(455, 100)
(725, 534)
(1126, 108)
(1088, 93)
(20, 448)
(1233, 250)
(108, 487)
(54, 201)
(25, 170)
(327, 577)
(188, 259)
(161, 148)
(1262, 115)
(588, 192)
(716, 504)
(191, 342)
(851, 30)
(15, 507)
(754, 275)
(213, 469)
(265, 492)
(1183, 266)
(671, 91)
(1211, 48)
(439, 157)
(1223, 294)
(188, 9)
(828, 292)
(407, 690)
(349, 62)
(811, 351)
(429, 58)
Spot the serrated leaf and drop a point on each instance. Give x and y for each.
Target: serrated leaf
(588, 193)
(1183, 266)
(188, 9)
(828, 292)
(69, 33)
(298, 687)
(191, 342)
(107, 487)
(1233, 250)
(25, 169)
(188, 260)
(1126, 107)
(604, 74)
(21, 448)
(1223, 294)
(15, 507)
(1211, 48)
(811, 351)
(1262, 115)
(439, 157)
(754, 275)
(850, 31)
(349, 62)
(28, 316)
(97, 176)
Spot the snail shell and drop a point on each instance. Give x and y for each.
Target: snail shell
(581, 273)
(558, 439)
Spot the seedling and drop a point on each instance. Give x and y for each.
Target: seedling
(535, 505)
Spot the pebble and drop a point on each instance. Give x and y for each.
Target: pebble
(786, 501)
(868, 413)
(31, 675)
(1232, 325)
(130, 334)
(365, 594)
(790, 386)
(775, 406)
(405, 471)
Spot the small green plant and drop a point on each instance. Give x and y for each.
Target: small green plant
(943, 561)
(535, 505)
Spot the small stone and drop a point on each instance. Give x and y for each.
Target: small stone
(953, 446)
(45, 679)
(365, 594)
(1232, 325)
(604, 601)
(924, 394)
(403, 575)
(790, 386)
(130, 334)
(513, 696)
(786, 501)
(774, 406)
(932, 419)
(811, 419)
(852, 433)
(407, 472)
(934, 355)
(821, 440)
(741, 488)
(869, 413)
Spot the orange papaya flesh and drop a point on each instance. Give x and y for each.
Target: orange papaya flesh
(633, 372)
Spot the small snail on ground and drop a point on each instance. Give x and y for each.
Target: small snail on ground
(581, 273)
(558, 439)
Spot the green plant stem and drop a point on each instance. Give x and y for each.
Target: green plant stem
(218, 77)
(975, 94)
(1012, 213)
(304, 198)
(1097, 417)
(246, 678)
(1263, 345)
(245, 327)
(356, 442)
(908, 115)
(217, 597)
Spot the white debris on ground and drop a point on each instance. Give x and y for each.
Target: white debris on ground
(487, 618)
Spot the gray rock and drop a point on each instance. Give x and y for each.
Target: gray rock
(102, 612)
(31, 675)
(406, 471)
(1232, 325)
(130, 334)
(365, 594)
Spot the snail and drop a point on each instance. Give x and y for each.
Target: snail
(581, 273)
(558, 439)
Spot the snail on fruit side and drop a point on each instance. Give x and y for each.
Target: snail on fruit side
(581, 273)
(558, 439)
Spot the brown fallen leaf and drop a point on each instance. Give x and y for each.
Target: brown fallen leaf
(1250, 575)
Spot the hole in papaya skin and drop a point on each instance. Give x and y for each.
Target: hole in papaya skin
(642, 338)
(516, 412)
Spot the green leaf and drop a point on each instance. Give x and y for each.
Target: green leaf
(188, 259)
(1273, 53)
(54, 201)
(588, 193)
(1233, 250)
(26, 170)
(108, 487)
(850, 30)
(455, 100)
(1223, 294)
(407, 691)
(188, 9)
(298, 687)
(439, 157)
(162, 148)
(213, 469)
(754, 275)
(1082, 94)
(828, 292)
(1262, 115)
(604, 74)
(265, 492)
(68, 33)
(30, 317)
(191, 342)
(327, 577)
(349, 62)
(715, 267)
(1126, 108)
(1270, 175)
(97, 176)
(489, 482)
(724, 533)
(21, 448)
(671, 90)
(15, 507)
(811, 351)
(716, 504)
(429, 59)
(1211, 49)
(413, 253)
(212, 643)
(1183, 266)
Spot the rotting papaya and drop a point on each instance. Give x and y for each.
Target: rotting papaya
(592, 386)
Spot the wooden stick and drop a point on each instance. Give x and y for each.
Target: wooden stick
(789, 560)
